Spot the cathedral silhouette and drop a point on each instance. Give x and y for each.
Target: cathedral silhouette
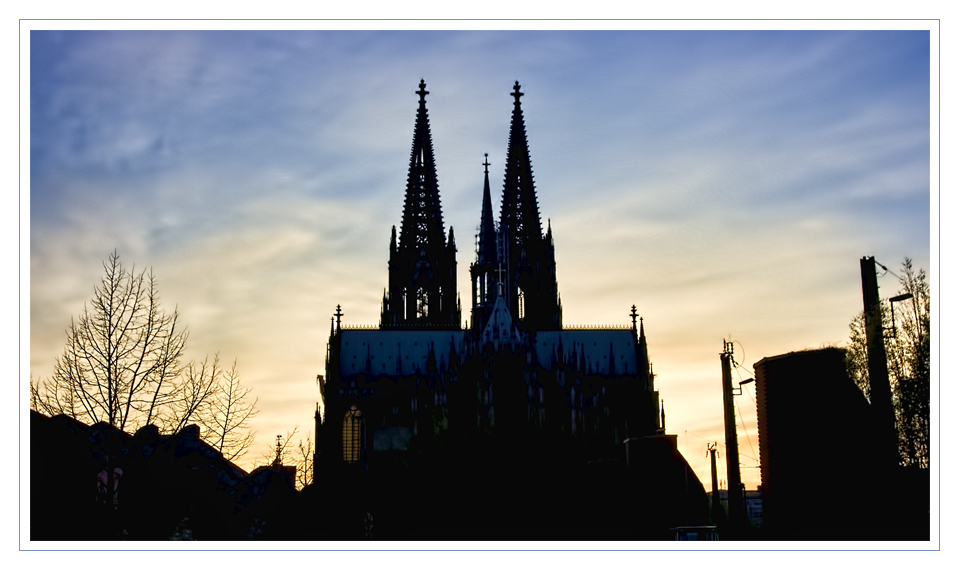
(510, 428)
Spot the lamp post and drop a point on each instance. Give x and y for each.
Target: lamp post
(893, 316)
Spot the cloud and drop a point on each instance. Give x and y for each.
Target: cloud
(724, 182)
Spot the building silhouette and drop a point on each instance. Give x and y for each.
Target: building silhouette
(164, 487)
(822, 467)
(509, 427)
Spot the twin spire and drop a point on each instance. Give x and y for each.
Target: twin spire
(514, 259)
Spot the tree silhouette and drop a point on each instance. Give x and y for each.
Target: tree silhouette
(226, 414)
(123, 365)
(300, 456)
(907, 343)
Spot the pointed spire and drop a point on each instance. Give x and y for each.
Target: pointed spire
(518, 210)
(423, 264)
(422, 224)
(487, 247)
(643, 360)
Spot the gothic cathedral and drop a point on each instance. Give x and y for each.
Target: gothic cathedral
(429, 426)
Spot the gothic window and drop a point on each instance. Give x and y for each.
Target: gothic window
(352, 429)
(422, 303)
(520, 300)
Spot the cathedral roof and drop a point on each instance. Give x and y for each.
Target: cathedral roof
(403, 352)
(602, 351)
(499, 328)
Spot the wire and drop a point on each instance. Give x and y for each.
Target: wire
(887, 271)
(743, 352)
(697, 435)
(745, 433)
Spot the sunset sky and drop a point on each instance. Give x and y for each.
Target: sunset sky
(727, 183)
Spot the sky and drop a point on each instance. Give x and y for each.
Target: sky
(726, 183)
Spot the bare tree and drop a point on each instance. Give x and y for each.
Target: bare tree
(285, 453)
(304, 463)
(123, 365)
(122, 357)
(226, 415)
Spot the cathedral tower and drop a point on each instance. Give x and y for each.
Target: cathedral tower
(423, 264)
(483, 273)
(526, 255)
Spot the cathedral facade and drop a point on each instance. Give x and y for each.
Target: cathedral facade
(468, 408)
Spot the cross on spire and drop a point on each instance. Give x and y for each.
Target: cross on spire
(486, 164)
(516, 92)
(633, 315)
(339, 314)
(423, 92)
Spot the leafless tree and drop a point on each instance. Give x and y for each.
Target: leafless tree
(226, 414)
(285, 453)
(122, 358)
(123, 364)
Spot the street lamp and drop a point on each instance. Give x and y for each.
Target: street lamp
(893, 316)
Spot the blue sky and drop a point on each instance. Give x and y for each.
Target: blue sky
(725, 182)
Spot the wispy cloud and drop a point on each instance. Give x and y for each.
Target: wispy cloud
(725, 182)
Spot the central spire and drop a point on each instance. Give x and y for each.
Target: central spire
(487, 246)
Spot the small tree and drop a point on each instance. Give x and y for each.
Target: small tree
(907, 344)
(123, 365)
(285, 453)
(122, 357)
(226, 414)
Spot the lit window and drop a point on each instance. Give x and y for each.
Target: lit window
(351, 435)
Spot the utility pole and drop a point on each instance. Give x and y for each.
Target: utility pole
(734, 489)
(880, 399)
(716, 510)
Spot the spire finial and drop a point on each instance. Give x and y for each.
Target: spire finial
(486, 164)
(277, 461)
(633, 315)
(423, 92)
(516, 92)
(339, 314)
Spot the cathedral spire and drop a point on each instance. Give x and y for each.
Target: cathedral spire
(423, 262)
(487, 242)
(519, 212)
(527, 257)
(422, 224)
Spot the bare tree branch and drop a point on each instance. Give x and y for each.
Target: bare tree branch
(122, 364)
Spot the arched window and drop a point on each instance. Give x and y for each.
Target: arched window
(422, 303)
(520, 300)
(352, 429)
